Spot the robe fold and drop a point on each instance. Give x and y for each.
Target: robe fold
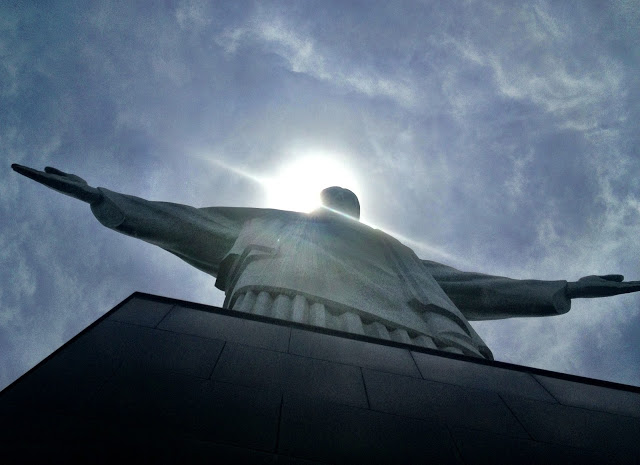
(333, 272)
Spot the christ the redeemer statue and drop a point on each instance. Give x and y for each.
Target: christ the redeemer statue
(327, 269)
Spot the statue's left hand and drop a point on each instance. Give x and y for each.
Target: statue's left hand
(65, 183)
(601, 286)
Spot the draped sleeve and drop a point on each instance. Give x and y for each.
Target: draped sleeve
(485, 297)
(200, 236)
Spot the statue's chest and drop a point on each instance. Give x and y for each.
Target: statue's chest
(309, 244)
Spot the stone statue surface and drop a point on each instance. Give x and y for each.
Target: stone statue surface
(327, 269)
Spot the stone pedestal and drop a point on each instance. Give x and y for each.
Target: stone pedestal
(161, 380)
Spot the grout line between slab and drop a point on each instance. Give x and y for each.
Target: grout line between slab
(456, 447)
(416, 364)
(213, 368)
(289, 341)
(364, 384)
(515, 416)
(545, 389)
(279, 423)
(582, 407)
(165, 316)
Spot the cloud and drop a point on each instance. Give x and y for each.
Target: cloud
(302, 54)
(517, 183)
(192, 14)
(539, 58)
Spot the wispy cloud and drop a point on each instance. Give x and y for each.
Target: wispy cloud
(192, 14)
(303, 54)
(537, 58)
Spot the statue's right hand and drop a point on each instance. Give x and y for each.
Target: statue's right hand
(65, 183)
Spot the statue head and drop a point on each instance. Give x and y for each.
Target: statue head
(341, 200)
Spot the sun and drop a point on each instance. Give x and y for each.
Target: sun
(297, 185)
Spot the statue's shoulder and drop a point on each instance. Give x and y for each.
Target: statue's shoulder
(244, 214)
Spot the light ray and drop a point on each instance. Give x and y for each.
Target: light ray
(261, 180)
(404, 239)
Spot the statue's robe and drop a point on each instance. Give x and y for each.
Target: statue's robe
(333, 272)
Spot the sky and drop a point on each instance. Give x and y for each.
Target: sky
(498, 137)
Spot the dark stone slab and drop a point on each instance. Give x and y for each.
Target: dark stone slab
(182, 353)
(478, 376)
(251, 366)
(429, 400)
(241, 415)
(616, 435)
(143, 312)
(140, 397)
(481, 447)
(142, 447)
(211, 325)
(64, 382)
(189, 407)
(208, 452)
(336, 433)
(592, 397)
(63, 439)
(30, 424)
(352, 352)
(288, 460)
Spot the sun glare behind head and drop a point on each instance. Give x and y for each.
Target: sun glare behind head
(297, 187)
(298, 184)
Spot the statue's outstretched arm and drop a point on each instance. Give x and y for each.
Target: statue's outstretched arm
(485, 297)
(65, 183)
(201, 237)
